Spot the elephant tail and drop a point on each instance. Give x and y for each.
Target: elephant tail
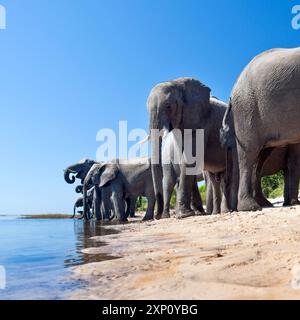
(226, 136)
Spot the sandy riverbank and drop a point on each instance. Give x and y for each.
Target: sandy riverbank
(228, 256)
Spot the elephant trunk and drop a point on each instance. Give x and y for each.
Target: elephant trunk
(74, 210)
(79, 189)
(85, 202)
(67, 177)
(156, 165)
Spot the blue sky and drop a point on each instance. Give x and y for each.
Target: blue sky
(71, 67)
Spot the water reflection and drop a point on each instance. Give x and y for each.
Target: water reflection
(38, 253)
(83, 232)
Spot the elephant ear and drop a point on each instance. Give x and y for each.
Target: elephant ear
(109, 173)
(196, 94)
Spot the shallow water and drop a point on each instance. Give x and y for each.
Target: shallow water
(37, 255)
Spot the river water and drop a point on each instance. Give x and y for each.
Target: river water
(36, 256)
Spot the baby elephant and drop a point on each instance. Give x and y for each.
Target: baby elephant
(119, 180)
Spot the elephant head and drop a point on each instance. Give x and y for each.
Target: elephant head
(99, 175)
(179, 104)
(78, 170)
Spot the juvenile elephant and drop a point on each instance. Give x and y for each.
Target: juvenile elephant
(265, 105)
(79, 204)
(185, 103)
(119, 181)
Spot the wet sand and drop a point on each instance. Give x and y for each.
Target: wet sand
(254, 255)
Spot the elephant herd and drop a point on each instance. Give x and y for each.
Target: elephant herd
(256, 135)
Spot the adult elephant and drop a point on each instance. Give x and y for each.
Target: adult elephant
(185, 103)
(78, 170)
(277, 159)
(121, 180)
(265, 104)
(171, 169)
(79, 204)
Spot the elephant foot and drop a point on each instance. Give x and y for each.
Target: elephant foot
(184, 213)
(123, 220)
(248, 204)
(148, 218)
(200, 213)
(295, 202)
(165, 215)
(263, 202)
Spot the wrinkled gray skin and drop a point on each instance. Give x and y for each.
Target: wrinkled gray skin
(119, 181)
(171, 175)
(265, 104)
(79, 204)
(100, 209)
(286, 159)
(78, 170)
(185, 103)
(215, 193)
(277, 159)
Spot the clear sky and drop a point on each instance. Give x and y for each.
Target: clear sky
(71, 67)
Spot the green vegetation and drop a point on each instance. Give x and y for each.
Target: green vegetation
(273, 186)
(142, 202)
(45, 216)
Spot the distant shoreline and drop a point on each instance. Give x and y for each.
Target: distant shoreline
(37, 216)
(45, 216)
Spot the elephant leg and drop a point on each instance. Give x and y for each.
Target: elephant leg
(150, 208)
(293, 167)
(184, 194)
(259, 196)
(247, 172)
(127, 202)
(196, 204)
(97, 204)
(118, 201)
(217, 196)
(169, 182)
(106, 203)
(286, 192)
(132, 206)
(257, 192)
(224, 201)
(209, 194)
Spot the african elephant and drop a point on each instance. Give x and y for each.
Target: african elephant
(79, 204)
(265, 106)
(278, 159)
(121, 180)
(78, 170)
(185, 103)
(171, 174)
